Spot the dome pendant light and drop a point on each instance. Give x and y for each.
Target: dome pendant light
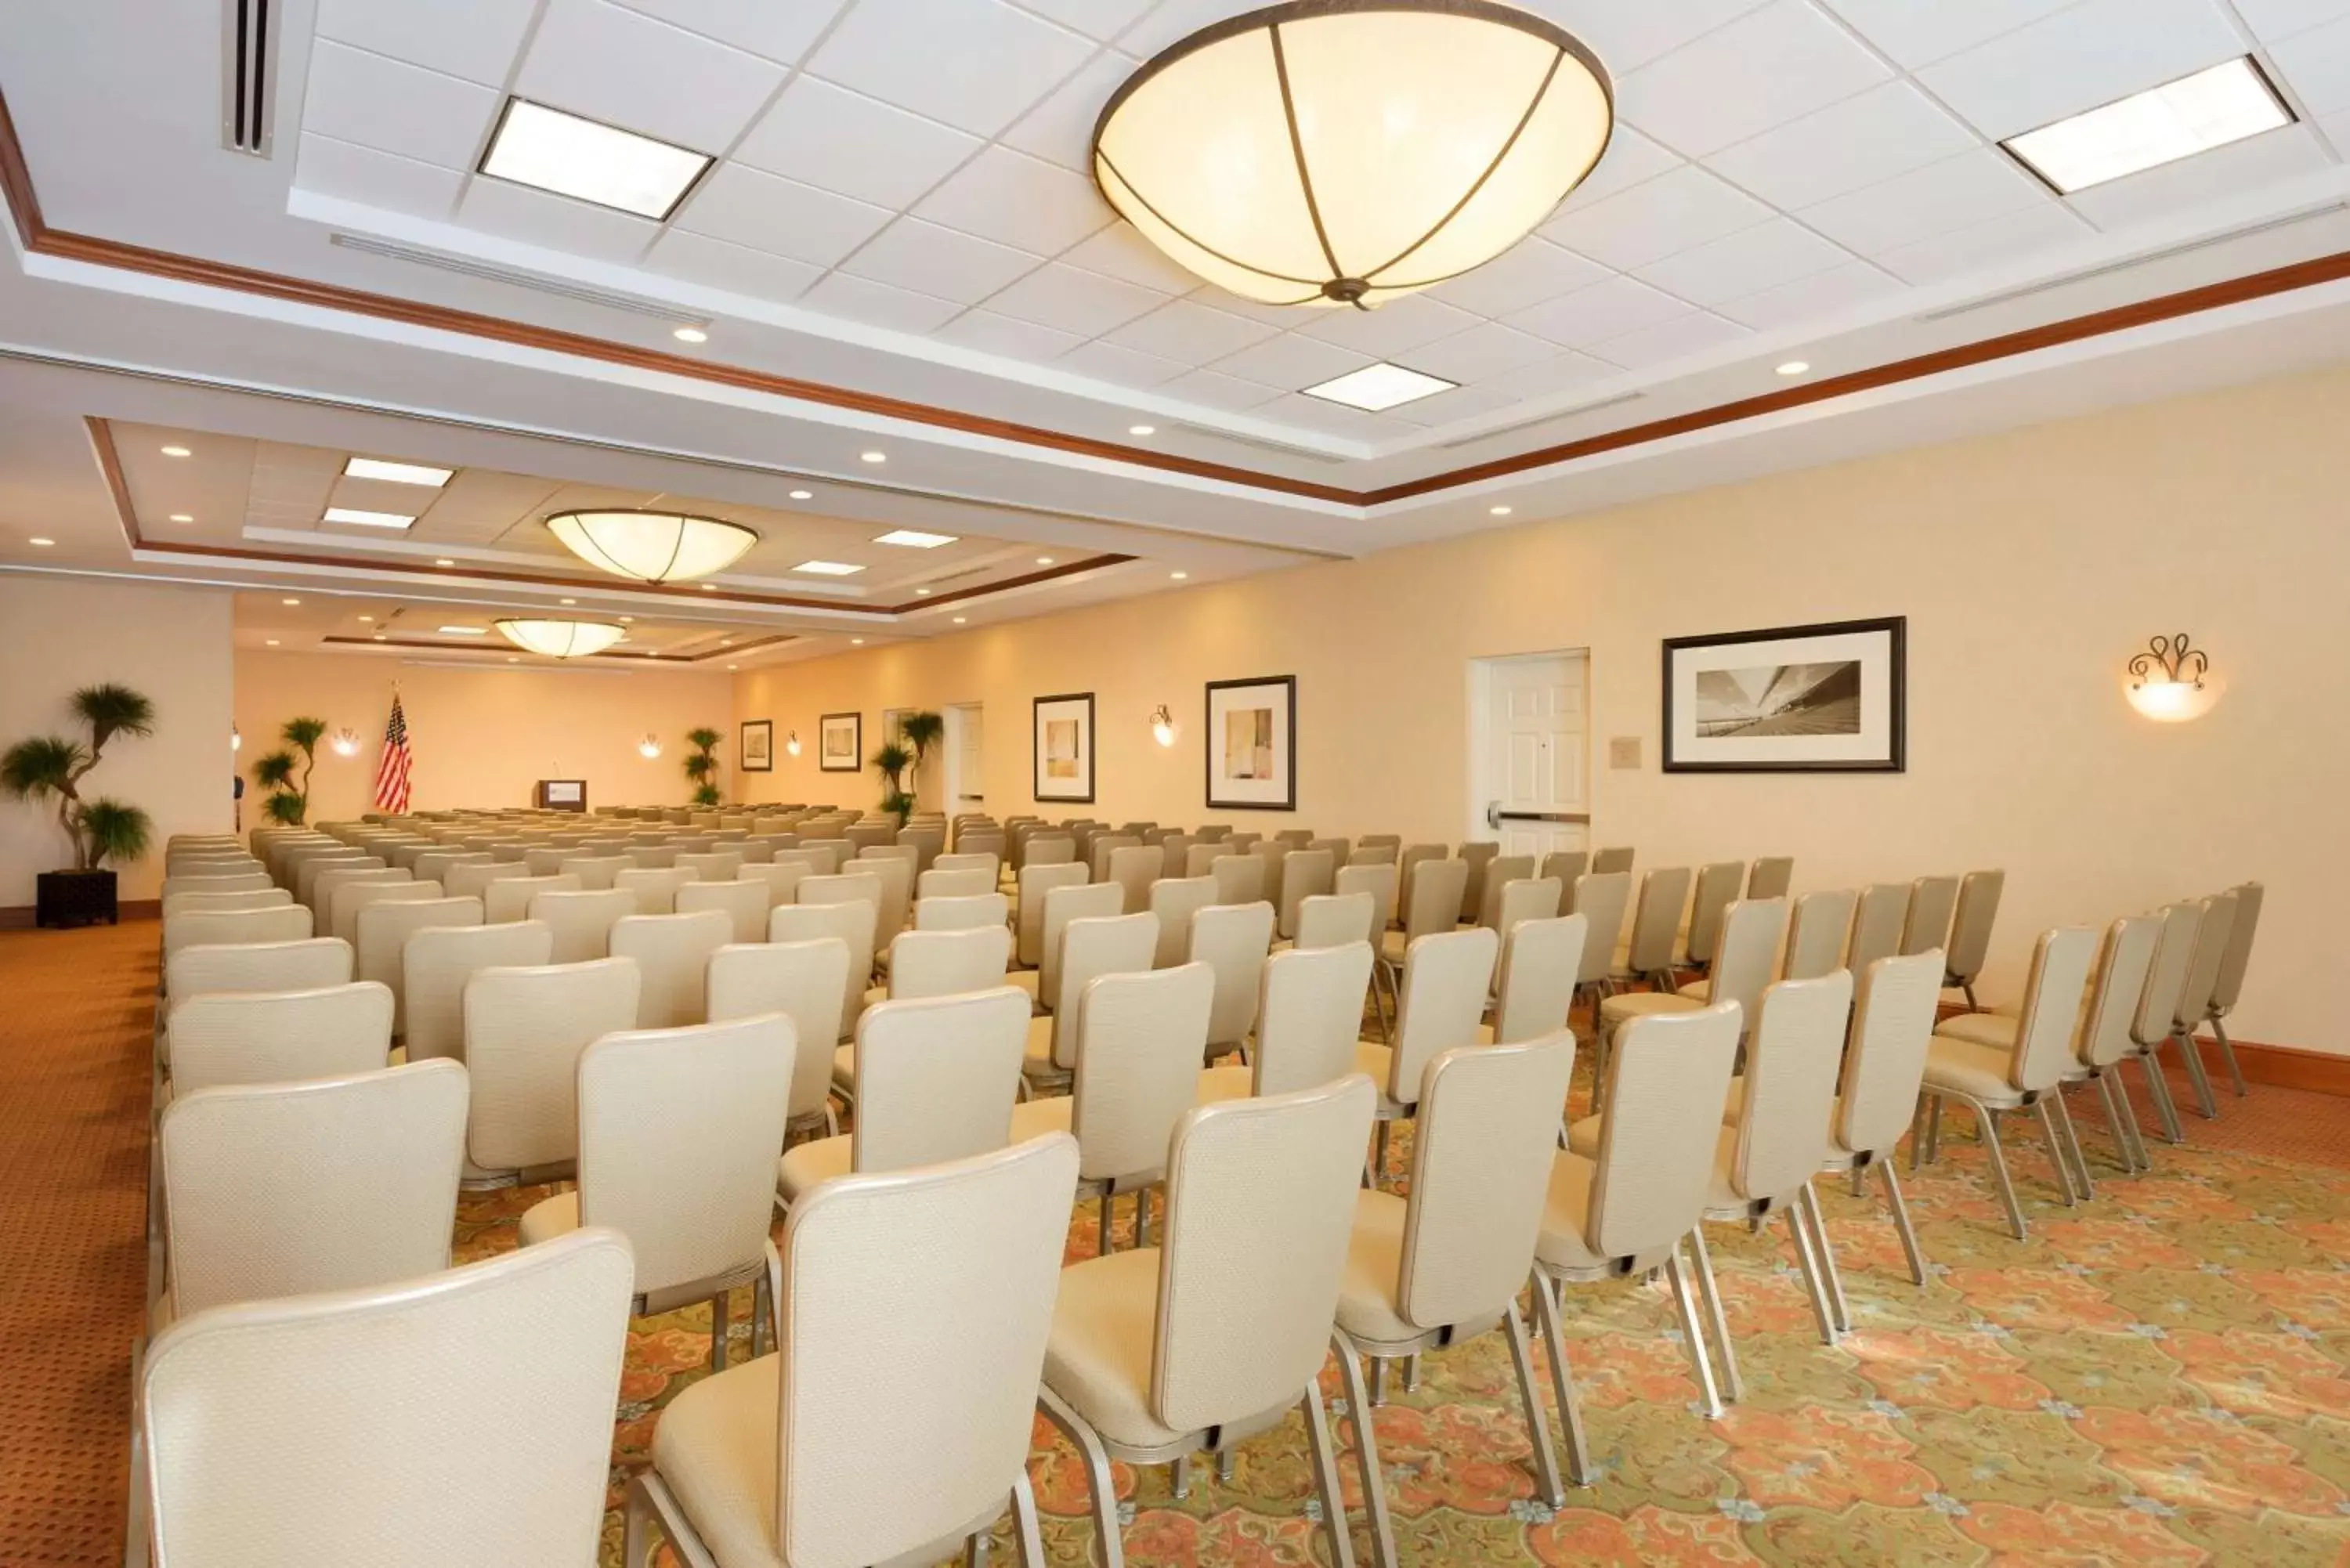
(561, 638)
(652, 546)
(1329, 152)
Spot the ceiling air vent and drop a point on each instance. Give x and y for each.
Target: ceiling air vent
(1619, 401)
(520, 277)
(248, 74)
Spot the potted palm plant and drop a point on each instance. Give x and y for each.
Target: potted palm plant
(289, 795)
(49, 769)
(701, 764)
(892, 763)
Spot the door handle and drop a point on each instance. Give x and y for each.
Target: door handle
(1493, 815)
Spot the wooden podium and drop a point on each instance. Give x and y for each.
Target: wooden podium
(560, 794)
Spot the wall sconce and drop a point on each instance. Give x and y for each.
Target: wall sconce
(1162, 726)
(346, 741)
(2168, 682)
(791, 742)
(650, 747)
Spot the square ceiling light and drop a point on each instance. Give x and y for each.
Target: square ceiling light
(397, 473)
(915, 539)
(361, 518)
(827, 568)
(552, 150)
(1374, 387)
(2161, 125)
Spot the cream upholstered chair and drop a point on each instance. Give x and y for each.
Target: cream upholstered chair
(1646, 958)
(1218, 1333)
(936, 1079)
(1566, 865)
(965, 912)
(304, 965)
(382, 930)
(1077, 902)
(271, 1037)
(1432, 903)
(1876, 923)
(336, 876)
(1233, 940)
(473, 880)
(1306, 1027)
(1408, 859)
(866, 884)
(744, 905)
(1050, 849)
(548, 861)
(673, 953)
(893, 867)
(1240, 878)
(509, 898)
(1500, 872)
(654, 857)
(1445, 980)
(1525, 899)
(781, 878)
(525, 1029)
(709, 866)
(342, 915)
(1304, 874)
(1749, 944)
(678, 1134)
(1380, 880)
(848, 922)
(1134, 867)
(1476, 856)
(1771, 876)
(1139, 1039)
(1817, 933)
(1036, 884)
(435, 865)
(2166, 982)
(1877, 1099)
(1932, 902)
(989, 862)
(1537, 988)
(215, 927)
(655, 888)
(581, 920)
(308, 871)
(437, 962)
(1716, 890)
(177, 882)
(596, 872)
(1624, 1211)
(1174, 900)
(1096, 853)
(1607, 861)
(1328, 920)
(1198, 857)
(2028, 1074)
(1445, 1265)
(282, 1189)
(2228, 986)
(248, 898)
(1970, 944)
(807, 983)
(1090, 947)
(803, 1456)
(955, 883)
(372, 1427)
(2211, 938)
(1601, 898)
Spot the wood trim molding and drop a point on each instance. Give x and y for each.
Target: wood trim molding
(2280, 1067)
(682, 660)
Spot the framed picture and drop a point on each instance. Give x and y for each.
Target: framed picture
(1065, 747)
(758, 745)
(1795, 699)
(1253, 744)
(840, 742)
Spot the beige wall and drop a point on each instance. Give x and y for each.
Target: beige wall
(58, 634)
(485, 736)
(2029, 564)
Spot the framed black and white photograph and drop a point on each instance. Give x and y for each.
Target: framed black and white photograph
(840, 742)
(1251, 745)
(1065, 747)
(1795, 698)
(758, 745)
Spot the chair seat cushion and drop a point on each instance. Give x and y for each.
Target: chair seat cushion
(1582, 1137)
(1375, 1061)
(1026, 979)
(1964, 1067)
(549, 1218)
(715, 1449)
(1230, 1082)
(876, 993)
(1367, 1308)
(1037, 1058)
(1034, 1118)
(1698, 990)
(844, 1067)
(1392, 945)
(1564, 1210)
(806, 1164)
(1097, 1357)
(1616, 1010)
(1980, 1029)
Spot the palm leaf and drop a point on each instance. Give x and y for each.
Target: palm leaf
(304, 733)
(113, 831)
(707, 738)
(39, 767)
(110, 711)
(285, 808)
(274, 770)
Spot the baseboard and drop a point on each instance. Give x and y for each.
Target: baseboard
(19, 917)
(2283, 1066)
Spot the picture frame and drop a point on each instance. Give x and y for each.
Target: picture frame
(758, 746)
(1251, 741)
(840, 742)
(1826, 698)
(1062, 750)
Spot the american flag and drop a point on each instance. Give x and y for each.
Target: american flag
(392, 774)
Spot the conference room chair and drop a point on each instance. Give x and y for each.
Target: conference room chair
(1096, 854)
(176, 883)
(1087, 945)
(936, 1079)
(654, 857)
(948, 1376)
(1301, 874)
(743, 903)
(1476, 856)
(1295, 837)
(1500, 871)
(1444, 1265)
(1876, 924)
(304, 866)
(781, 878)
(265, 1036)
(989, 844)
(1175, 853)
(753, 851)
(341, 916)
(1174, 900)
(864, 882)
(581, 920)
(1564, 866)
(1307, 1026)
(2228, 987)
(324, 877)
(509, 898)
(1234, 940)
(1647, 956)
(1750, 946)
(1240, 879)
(2165, 983)
(1270, 854)
(183, 903)
(1715, 889)
(1609, 861)
(1622, 1212)
(1520, 900)
(973, 882)
(1366, 854)
(1771, 876)
(503, 850)
(1134, 867)
(807, 983)
(2211, 940)
(548, 860)
(1381, 881)
(524, 1028)
(1818, 933)
(439, 960)
(1535, 989)
(1432, 903)
(2026, 1074)
(1334, 919)
(1970, 938)
(218, 928)
(851, 923)
(1446, 977)
(1336, 849)
(962, 913)
(711, 865)
(1031, 883)
(1050, 849)
(379, 932)
(1407, 860)
(433, 865)
(309, 963)
(672, 951)
(946, 961)
(1601, 898)
(1074, 902)
(1932, 902)
(831, 853)
(473, 880)
(654, 888)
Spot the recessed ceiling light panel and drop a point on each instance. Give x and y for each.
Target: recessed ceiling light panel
(551, 151)
(1381, 386)
(2161, 125)
(361, 518)
(464, 632)
(397, 473)
(827, 568)
(914, 538)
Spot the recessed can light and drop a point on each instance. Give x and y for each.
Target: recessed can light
(181, 517)
(271, 642)
(445, 561)
(1044, 560)
(921, 593)
(175, 452)
(874, 456)
(960, 620)
(1794, 367)
(1498, 511)
(289, 602)
(856, 642)
(1142, 430)
(463, 631)
(1179, 576)
(803, 494)
(366, 618)
(691, 335)
(44, 544)
(571, 601)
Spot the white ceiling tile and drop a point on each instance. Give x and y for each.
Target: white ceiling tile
(1669, 340)
(1915, 32)
(1085, 303)
(769, 213)
(880, 303)
(1998, 243)
(1766, 69)
(1808, 299)
(1956, 194)
(394, 107)
(1684, 207)
(976, 64)
(1186, 330)
(556, 223)
(1060, 130)
(1486, 350)
(2316, 66)
(839, 140)
(1119, 251)
(1127, 367)
(1331, 419)
(1609, 308)
(626, 70)
(1020, 200)
(1630, 158)
(1753, 259)
(778, 29)
(1395, 328)
(475, 40)
(2255, 163)
(1559, 381)
(697, 258)
(1528, 273)
(1214, 390)
(1872, 136)
(910, 254)
(2079, 59)
(1170, 21)
(993, 333)
(1093, 18)
(1292, 361)
(2276, 20)
(1627, 36)
(357, 174)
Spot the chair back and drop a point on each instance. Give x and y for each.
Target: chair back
(2230, 985)
(326, 887)
(1525, 899)
(655, 888)
(936, 1077)
(374, 1157)
(1175, 900)
(1240, 877)
(1049, 849)
(1750, 947)
(829, 854)
(1090, 948)
(781, 878)
(1141, 1039)
(1328, 920)
(848, 922)
(1310, 1018)
(2052, 995)
(1259, 1211)
(1877, 925)
(180, 880)
(709, 866)
(509, 898)
(863, 886)
(2166, 982)
(1476, 858)
(304, 965)
(1539, 962)
(1771, 876)
(1970, 943)
(1408, 859)
(1599, 899)
(1482, 1148)
(971, 912)
(970, 854)
(1817, 933)
(873, 1377)
(580, 921)
(2124, 960)
(1369, 854)
(383, 930)
(1200, 855)
(1609, 861)
(435, 865)
(1376, 876)
(1566, 865)
(342, 915)
(948, 963)
(1717, 887)
(472, 880)
(744, 905)
(1446, 979)
(274, 1036)
(1933, 900)
(943, 882)
(1500, 872)
(217, 927)
(1101, 847)
(894, 867)
(1657, 920)
(807, 983)
(1892, 1028)
(1669, 1075)
(1134, 867)
(1233, 940)
(1079, 901)
(248, 898)
(596, 872)
(673, 953)
(1792, 1057)
(2211, 952)
(308, 871)
(1432, 903)
(1037, 881)
(1304, 874)
(525, 1029)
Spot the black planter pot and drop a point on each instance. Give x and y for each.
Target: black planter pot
(73, 898)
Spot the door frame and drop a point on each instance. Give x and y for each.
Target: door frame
(1481, 730)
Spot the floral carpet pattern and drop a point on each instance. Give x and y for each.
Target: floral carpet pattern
(2160, 1377)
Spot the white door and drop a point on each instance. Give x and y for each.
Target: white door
(1531, 792)
(966, 775)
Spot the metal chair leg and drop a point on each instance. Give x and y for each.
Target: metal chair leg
(1025, 1531)
(1810, 1200)
(1142, 1216)
(2072, 1135)
(1411, 1373)
(1934, 1130)
(2157, 1089)
(1224, 1466)
(2196, 1074)
(1685, 1299)
(1999, 1170)
(1180, 1482)
(2227, 1054)
(1709, 1291)
(1537, 1426)
(1326, 1479)
(1103, 1242)
(2124, 1120)
(1101, 1489)
(635, 1516)
(1367, 1454)
(1562, 1380)
(1894, 1201)
(718, 1332)
(763, 1316)
(1379, 1381)
(2056, 1158)
(1808, 1264)
(974, 1550)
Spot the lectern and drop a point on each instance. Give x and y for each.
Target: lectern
(561, 794)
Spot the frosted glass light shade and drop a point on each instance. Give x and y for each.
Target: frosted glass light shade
(1345, 151)
(561, 638)
(652, 546)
